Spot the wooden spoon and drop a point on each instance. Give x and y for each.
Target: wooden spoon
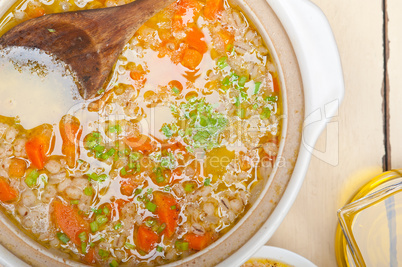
(90, 41)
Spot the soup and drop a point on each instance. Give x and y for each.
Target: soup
(261, 262)
(168, 156)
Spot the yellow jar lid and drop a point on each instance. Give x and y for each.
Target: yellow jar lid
(360, 202)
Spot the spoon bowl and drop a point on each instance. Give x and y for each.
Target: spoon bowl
(89, 41)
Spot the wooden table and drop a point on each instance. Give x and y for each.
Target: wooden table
(367, 127)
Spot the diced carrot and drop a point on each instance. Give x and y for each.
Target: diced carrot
(195, 39)
(177, 172)
(175, 146)
(146, 238)
(90, 256)
(17, 168)
(137, 73)
(173, 49)
(185, 13)
(36, 149)
(7, 193)
(191, 59)
(244, 161)
(175, 84)
(142, 142)
(99, 104)
(198, 242)
(127, 187)
(213, 8)
(137, 76)
(226, 38)
(276, 83)
(69, 221)
(70, 131)
(168, 212)
(119, 203)
(116, 207)
(35, 11)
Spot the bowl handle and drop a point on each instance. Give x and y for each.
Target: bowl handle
(319, 61)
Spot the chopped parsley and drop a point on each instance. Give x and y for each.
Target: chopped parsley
(181, 245)
(114, 263)
(266, 113)
(115, 129)
(101, 219)
(200, 122)
(95, 177)
(84, 247)
(83, 237)
(151, 206)
(129, 246)
(117, 226)
(168, 161)
(88, 191)
(103, 253)
(175, 90)
(94, 226)
(167, 131)
(134, 155)
(221, 62)
(160, 179)
(189, 187)
(272, 98)
(242, 81)
(63, 237)
(32, 178)
(257, 86)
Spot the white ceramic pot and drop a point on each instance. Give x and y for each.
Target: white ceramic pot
(320, 66)
(304, 49)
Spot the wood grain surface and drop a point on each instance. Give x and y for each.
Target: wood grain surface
(395, 80)
(309, 228)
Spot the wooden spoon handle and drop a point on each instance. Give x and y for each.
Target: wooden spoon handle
(123, 21)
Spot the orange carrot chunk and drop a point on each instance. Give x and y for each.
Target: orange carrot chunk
(146, 238)
(127, 187)
(195, 39)
(90, 256)
(138, 76)
(17, 168)
(36, 149)
(213, 8)
(142, 142)
(35, 11)
(70, 132)
(7, 193)
(168, 212)
(185, 13)
(69, 221)
(191, 59)
(198, 242)
(276, 83)
(227, 39)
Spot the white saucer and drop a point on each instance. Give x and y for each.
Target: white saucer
(283, 255)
